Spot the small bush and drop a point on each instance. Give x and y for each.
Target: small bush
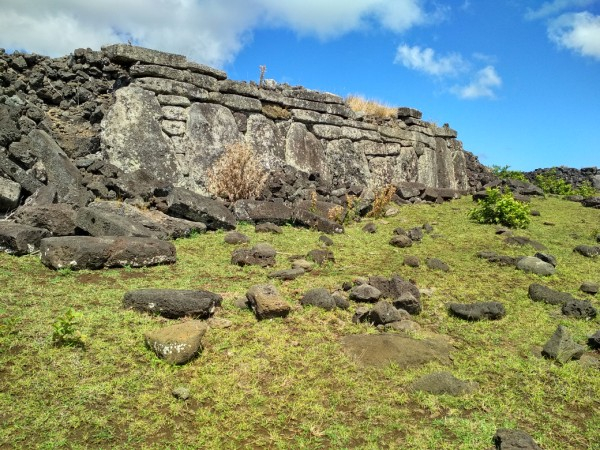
(504, 173)
(551, 183)
(586, 190)
(371, 107)
(237, 174)
(65, 330)
(501, 209)
(383, 197)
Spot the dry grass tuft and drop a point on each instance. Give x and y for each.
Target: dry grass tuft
(237, 174)
(371, 107)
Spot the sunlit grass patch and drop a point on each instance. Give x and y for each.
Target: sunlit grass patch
(286, 383)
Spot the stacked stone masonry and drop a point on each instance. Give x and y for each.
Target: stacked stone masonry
(99, 123)
(195, 114)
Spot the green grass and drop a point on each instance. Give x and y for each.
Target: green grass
(286, 383)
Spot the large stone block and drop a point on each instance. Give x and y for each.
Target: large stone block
(305, 152)
(197, 79)
(173, 303)
(129, 54)
(191, 206)
(18, 239)
(87, 252)
(179, 343)
(58, 218)
(10, 194)
(132, 137)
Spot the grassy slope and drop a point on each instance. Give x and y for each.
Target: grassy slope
(286, 383)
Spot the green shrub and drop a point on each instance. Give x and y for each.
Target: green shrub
(504, 173)
(501, 209)
(551, 183)
(586, 190)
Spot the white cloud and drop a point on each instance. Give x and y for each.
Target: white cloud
(482, 85)
(208, 31)
(426, 60)
(551, 8)
(579, 32)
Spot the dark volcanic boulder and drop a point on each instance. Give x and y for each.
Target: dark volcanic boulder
(401, 241)
(318, 297)
(505, 439)
(437, 264)
(580, 309)
(478, 311)
(87, 252)
(384, 312)
(260, 255)
(191, 206)
(58, 218)
(155, 222)
(173, 303)
(18, 239)
(588, 251)
(96, 222)
(540, 293)
(261, 211)
(365, 293)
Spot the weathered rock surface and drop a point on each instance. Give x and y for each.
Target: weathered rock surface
(505, 439)
(260, 255)
(18, 239)
(197, 208)
(383, 312)
(287, 274)
(381, 350)
(437, 264)
(589, 287)
(58, 218)
(365, 293)
(10, 194)
(540, 293)
(439, 383)
(87, 252)
(266, 302)
(561, 346)
(179, 343)
(588, 251)
(535, 265)
(235, 237)
(580, 309)
(320, 298)
(173, 303)
(478, 311)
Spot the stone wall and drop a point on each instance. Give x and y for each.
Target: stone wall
(176, 118)
(95, 123)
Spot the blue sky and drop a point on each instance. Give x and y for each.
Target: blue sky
(519, 80)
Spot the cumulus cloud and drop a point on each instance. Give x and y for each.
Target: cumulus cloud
(208, 31)
(483, 82)
(425, 60)
(551, 8)
(579, 32)
(482, 85)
